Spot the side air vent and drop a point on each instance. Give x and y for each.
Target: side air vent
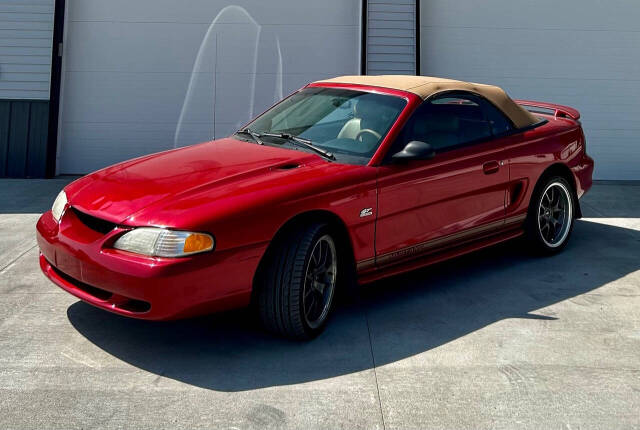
(95, 224)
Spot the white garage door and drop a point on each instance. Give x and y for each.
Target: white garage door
(582, 53)
(147, 75)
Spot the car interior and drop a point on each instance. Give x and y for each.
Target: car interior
(357, 126)
(448, 122)
(355, 123)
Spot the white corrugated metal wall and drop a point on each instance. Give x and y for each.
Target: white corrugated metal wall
(391, 41)
(581, 53)
(26, 34)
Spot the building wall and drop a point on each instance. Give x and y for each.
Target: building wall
(149, 75)
(26, 34)
(581, 53)
(23, 138)
(391, 37)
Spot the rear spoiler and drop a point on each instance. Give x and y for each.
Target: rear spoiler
(559, 111)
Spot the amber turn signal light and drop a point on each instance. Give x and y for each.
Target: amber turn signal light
(197, 242)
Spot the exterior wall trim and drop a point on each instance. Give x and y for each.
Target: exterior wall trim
(56, 84)
(363, 37)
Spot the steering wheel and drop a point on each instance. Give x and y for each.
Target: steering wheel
(368, 131)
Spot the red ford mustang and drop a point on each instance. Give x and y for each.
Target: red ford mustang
(347, 180)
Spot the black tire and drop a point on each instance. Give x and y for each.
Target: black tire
(284, 283)
(546, 230)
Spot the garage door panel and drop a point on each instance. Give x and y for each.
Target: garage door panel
(9, 16)
(27, 25)
(106, 144)
(41, 60)
(44, 35)
(343, 54)
(239, 86)
(162, 67)
(26, 68)
(43, 7)
(623, 171)
(133, 47)
(26, 86)
(540, 54)
(161, 95)
(591, 93)
(623, 146)
(109, 97)
(113, 130)
(533, 41)
(594, 15)
(327, 12)
(231, 86)
(236, 50)
(584, 55)
(21, 50)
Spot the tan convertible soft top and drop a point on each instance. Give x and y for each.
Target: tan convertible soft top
(426, 86)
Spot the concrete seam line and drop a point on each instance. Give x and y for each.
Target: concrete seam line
(375, 373)
(16, 259)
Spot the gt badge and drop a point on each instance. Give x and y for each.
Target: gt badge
(366, 212)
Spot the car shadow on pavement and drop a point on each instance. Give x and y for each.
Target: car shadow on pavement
(392, 320)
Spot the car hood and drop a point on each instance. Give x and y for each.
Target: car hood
(123, 193)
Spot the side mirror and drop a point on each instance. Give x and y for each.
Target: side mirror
(414, 150)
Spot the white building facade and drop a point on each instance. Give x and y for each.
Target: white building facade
(88, 83)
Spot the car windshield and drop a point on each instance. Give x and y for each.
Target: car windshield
(349, 124)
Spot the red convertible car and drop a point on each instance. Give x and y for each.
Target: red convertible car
(346, 181)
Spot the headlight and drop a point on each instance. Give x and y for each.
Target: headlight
(58, 205)
(159, 242)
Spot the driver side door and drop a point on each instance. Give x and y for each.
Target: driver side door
(424, 206)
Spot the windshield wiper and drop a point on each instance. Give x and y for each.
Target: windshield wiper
(306, 143)
(251, 133)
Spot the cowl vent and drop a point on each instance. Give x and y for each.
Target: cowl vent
(288, 166)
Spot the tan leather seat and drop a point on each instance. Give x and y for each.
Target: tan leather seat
(365, 113)
(350, 130)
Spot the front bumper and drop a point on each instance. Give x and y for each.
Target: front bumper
(82, 262)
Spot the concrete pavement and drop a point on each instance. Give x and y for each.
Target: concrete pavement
(497, 339)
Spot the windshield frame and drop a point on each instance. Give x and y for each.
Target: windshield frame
(411, 101)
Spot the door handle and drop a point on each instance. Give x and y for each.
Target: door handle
(490, 167)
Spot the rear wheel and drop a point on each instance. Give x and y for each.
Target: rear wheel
(297, 285)
(551, 215)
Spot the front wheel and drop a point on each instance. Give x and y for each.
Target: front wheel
(297, 285)
(551, 215)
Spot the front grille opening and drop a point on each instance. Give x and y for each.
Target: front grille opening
(95, 224)
(95, 292)
(120, 302)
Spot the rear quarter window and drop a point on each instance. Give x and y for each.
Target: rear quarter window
(451, 121)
